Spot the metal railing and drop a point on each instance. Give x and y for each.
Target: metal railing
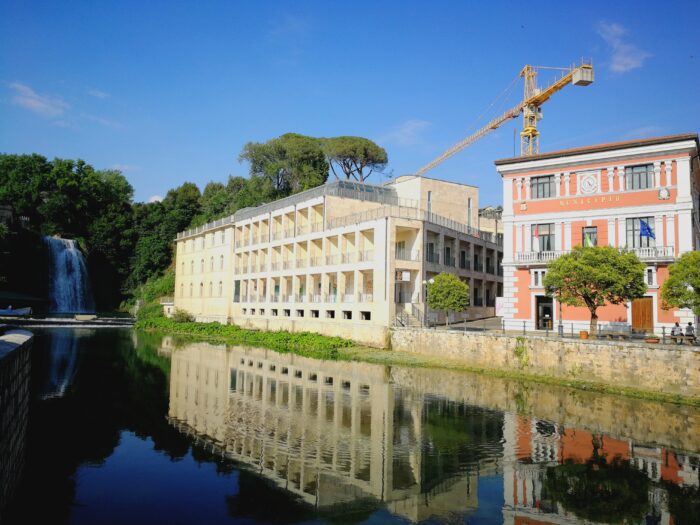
(450, 261)
(432, 257)
(402, 212)
(402, 254)
(275, 266)
(365, 297)
(478, 267)
(465, 265)
(349, 298)
(365, 256)
(491, 269)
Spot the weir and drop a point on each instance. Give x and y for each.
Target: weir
(69, 284)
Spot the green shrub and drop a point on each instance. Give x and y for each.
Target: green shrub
(150, 311)
(182, 316)
(158, 287)
(302, 343)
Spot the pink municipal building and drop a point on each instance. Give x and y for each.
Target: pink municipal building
(600, 195)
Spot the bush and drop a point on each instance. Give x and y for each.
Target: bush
(302, 343)
(158, 287)
(182, 316)
(150, 311)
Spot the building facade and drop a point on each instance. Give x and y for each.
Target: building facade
(611, 194)
(344, 259)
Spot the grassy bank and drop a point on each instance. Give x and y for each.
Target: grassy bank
(323, 347)
(302, 343)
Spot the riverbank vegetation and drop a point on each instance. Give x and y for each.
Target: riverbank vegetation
(306, 344)
(128, 244)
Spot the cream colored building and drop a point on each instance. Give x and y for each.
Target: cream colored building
(346, 259)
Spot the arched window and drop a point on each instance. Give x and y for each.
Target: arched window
(211, 264)
(223, 236)
(211, 289)
(182, 290)
(183, 267)
(201, 289)
(192, 266)
(221, 288)
(190, 289)
(201, 266)
(221, 262)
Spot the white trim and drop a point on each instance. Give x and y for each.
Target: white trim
(668, 148)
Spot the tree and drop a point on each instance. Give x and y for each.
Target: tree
(356, 157)
(291, 162)
(446, 292)
(682, 288)
(595, 276)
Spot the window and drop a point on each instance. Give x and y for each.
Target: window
(639, 177)
(201, 289)
(542, 237)
(201, 266)
(650, 277)
(221, 262)
(211, 264)
(221, 288)
(182, 290)
(542, 187)
(635, 239)
(192, 266)
(589, 236)
(211, 289)
(469, 211)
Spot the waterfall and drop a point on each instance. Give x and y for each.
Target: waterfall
(69, 285)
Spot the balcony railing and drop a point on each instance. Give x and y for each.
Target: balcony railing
(432, 257)
(301, 230)
(405, 298)
(263, 238)
(478, 302)
(365, 256)
(275, 299)
(646, 253)
(365, 298)
(478, 267)
(403, 254)
(287, 265)
(346, 258)
(331, 298)
(332, 259)
(450, 261)
(316, 298)
(316, 261)
(349, 298)
(491, 269)
(317, 226)
(465, 265)
(301, 263)
(277, 235)
(289, 232)
(275, 266)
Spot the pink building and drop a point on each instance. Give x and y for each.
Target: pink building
(598, 195)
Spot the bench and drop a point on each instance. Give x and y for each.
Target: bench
(679, 339)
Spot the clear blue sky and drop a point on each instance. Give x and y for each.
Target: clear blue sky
(170, 91)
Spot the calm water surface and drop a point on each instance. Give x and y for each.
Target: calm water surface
(126, 427)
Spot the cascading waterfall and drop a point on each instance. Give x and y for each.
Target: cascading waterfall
(69, 285)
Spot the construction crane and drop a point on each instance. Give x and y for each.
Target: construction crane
(530, 107)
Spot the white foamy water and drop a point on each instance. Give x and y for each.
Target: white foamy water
(69, 284)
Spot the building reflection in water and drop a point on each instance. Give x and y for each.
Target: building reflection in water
(340, 434)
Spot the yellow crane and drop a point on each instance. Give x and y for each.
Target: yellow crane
(530, 108)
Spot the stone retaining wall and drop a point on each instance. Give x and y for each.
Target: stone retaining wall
(666, 369)
(15, 363)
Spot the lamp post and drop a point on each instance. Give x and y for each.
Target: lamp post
(560, 327)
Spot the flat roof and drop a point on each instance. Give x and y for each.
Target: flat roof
(408, 176)
(600, 148)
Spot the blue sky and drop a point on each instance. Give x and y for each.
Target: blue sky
(171, 91)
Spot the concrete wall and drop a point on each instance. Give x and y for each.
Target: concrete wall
(665, 369)
(15, 367)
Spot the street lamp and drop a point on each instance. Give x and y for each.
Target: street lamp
(560, 327)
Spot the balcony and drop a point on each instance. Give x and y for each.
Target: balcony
(464, 265)
(275, 266)
(432, 257)
(365, 256)
(365, 297)
(349, 298)
(316, 261)
(277, 235)
(301, 263)
(289, 232)
(301, 230)
(450, 261)
(651, 253)
(331, 298)
(491, 269)
(316, 298)
(478, 266)
(405, 298)
(346, 258)
(403, 254)
(331, 259)
(317, 226)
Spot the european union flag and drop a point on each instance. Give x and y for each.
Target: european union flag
(645, 230)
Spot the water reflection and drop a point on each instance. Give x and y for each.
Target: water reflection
(60, 361)
(420, 444)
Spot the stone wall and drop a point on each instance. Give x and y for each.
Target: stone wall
(666, 369)
(15, 362)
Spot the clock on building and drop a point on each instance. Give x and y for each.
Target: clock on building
(589, 183)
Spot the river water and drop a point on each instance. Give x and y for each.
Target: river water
(127, 427)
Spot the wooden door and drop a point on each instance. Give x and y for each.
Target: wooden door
(642, 314)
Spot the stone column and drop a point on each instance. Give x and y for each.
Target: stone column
(657, 174)
(567, 186)
(527, 188)
(557, 184)
(622, 179)
(611, 180)
(611, 232)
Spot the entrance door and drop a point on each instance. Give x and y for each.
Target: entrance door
(642, 314)
(544, 311)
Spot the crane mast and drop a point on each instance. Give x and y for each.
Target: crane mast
(533, 98)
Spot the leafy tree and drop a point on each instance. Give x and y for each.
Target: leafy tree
(447, 292)
(595, 276)
(356, 157)
(682, 288)
(291, 163)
